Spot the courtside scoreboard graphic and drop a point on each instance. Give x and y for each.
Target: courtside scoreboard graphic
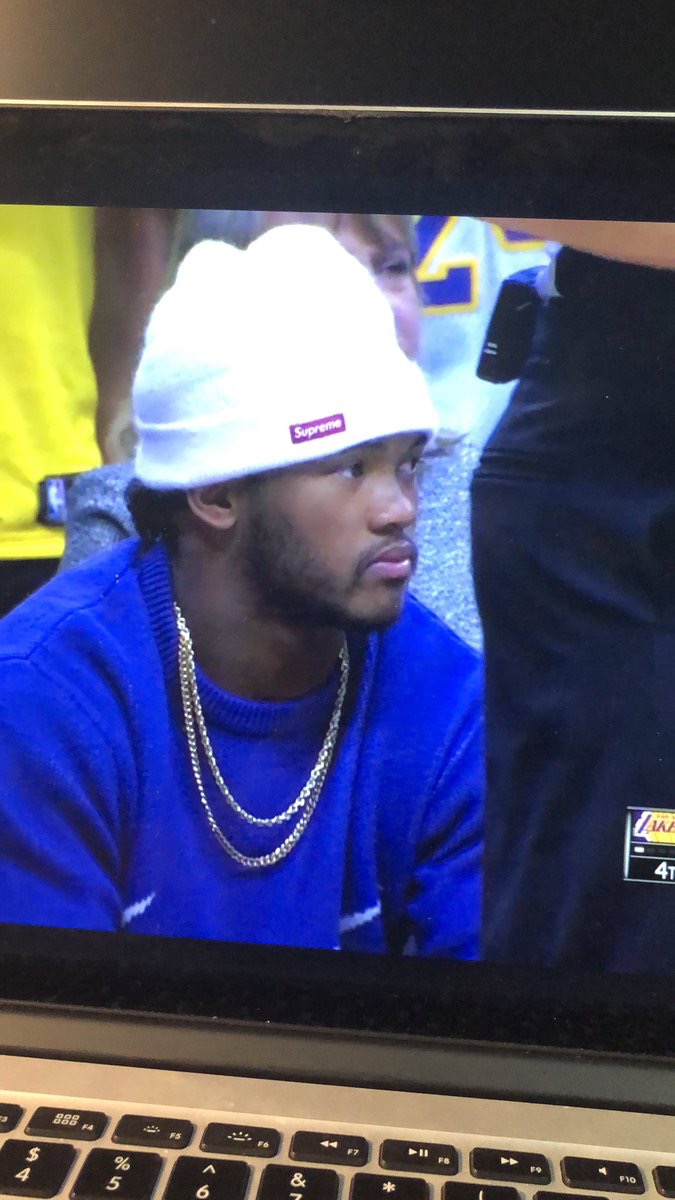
(649, 848)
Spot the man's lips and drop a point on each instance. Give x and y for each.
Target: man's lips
(396, 562)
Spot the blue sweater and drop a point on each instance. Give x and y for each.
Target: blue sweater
(102, 826)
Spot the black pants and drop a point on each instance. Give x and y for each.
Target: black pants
(574, 562)
(20, 577)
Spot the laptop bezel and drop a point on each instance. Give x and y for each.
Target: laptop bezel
(565, 166)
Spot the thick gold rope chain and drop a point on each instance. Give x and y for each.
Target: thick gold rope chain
(195, 725)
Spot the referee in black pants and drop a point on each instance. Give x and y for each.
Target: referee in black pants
(574, 561)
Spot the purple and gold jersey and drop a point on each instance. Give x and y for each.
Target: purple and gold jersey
(462, 263)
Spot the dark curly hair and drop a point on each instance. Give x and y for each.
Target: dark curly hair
(155, 513)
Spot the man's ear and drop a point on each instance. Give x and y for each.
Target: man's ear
(215, 504)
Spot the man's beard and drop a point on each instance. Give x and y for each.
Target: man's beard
(290, 584)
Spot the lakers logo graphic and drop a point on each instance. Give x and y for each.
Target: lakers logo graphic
(649, 846)
(654, 826)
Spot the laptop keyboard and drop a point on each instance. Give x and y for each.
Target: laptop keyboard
(46, 1152)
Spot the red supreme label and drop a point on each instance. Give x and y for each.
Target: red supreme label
(323, 427)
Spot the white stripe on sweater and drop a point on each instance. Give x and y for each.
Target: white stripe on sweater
(355, 920)
(137, 909)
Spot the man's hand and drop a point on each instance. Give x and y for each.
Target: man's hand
(134, 251)
(648, 243)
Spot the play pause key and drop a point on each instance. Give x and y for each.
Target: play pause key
(434, 1158)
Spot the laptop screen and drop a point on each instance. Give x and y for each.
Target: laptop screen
(336, 561)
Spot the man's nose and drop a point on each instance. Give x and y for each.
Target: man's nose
(394, 505)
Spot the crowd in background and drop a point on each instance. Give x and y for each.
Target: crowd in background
(82, 284)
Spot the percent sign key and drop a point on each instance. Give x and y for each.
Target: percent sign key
(125, 1176)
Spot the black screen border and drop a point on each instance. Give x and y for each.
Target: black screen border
(595, 168)
(338, 991)
(562, 167)
(471, 53)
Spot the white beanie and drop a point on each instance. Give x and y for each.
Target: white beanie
(268, 357)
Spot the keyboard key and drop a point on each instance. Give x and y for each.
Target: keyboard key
(251, 1140)
(329, 1148)
(664, 1178)
(200, 1179)
(510, 1164)
(74, 1124)
(565, 1196)
(164, 1132)
(109, 1173)
(388, 1187)
(9, 1116)
(478, 1191)
(298, 1183)
(602, 1173)
(34, 1168)
(434, 1158)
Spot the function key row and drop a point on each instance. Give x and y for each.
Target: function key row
(161, 1133)
(83, 1126)
(605, 1175)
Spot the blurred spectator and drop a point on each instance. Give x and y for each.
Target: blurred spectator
(76, 288)
(462, 264)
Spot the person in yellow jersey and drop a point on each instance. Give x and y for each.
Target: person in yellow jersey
(76, 288)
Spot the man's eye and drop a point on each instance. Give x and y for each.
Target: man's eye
(353, 470)
(410, 465)
(397, 266)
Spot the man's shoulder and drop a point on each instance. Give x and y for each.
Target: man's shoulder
(425, 699)
(427, 675)
(93, 596)
(424, 640)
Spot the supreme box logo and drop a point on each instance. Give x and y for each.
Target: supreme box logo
(323, 427)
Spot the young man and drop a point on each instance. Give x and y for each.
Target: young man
(98, 515)
(239, 727)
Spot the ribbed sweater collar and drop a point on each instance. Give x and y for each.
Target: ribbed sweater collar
(243, 717)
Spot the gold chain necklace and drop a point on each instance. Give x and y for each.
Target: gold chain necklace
(195, 725)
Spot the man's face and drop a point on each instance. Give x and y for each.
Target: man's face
(392, 267)
(330, 543)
